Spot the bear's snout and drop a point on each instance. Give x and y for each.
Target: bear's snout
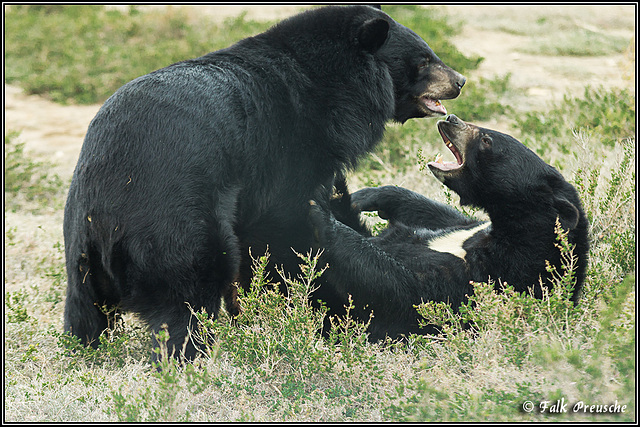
(459, 80)
(453, 119)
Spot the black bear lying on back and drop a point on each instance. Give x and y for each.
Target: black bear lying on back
(431, 252)
(186, 168)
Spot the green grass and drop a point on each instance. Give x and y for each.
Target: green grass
(82, 54)
(608, 115)
(28, 183)
(272, 364)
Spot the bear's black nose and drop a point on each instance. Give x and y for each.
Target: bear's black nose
(461, 82)
(453, 119)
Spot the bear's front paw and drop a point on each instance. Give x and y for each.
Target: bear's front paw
(370, 199)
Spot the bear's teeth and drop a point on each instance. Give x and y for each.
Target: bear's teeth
(434, 105)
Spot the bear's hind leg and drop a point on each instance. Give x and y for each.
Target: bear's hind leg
(184, 340)
(87, 313)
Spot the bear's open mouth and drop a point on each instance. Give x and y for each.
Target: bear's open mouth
(448, 166)
(433, 105)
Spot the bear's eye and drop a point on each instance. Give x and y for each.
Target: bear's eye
(424, 64)
(486, 142)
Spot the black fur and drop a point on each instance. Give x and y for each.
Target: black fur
(186, 168)
(407, 263)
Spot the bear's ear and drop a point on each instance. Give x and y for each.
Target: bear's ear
(568, 213)
(372, 34)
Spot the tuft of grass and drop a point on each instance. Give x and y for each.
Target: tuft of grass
(16, 310)
(293, 325)
(609, 199)
(608, 115)
(278, 356)
(28, 184)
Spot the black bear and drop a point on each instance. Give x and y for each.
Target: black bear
(184, 169)
(431, 252)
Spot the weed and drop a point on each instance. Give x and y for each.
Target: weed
(28, 184)
(529, 329)
(377, 225)
(121, 343)
(350, 338)
(609, 198)
(275, 330)
(497, 307)
(53, 270)
(16, 311)
(10, 236)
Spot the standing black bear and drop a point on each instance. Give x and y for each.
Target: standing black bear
(186, 168)
(431, 252)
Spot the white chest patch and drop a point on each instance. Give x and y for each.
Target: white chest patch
(452, 242)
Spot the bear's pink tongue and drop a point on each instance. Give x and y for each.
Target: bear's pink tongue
(445, 166)
(434, 105)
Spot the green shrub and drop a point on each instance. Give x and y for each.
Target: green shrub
(275, 330)
(609, 199)
(16, 310)
(515, 315)
(523, 333)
